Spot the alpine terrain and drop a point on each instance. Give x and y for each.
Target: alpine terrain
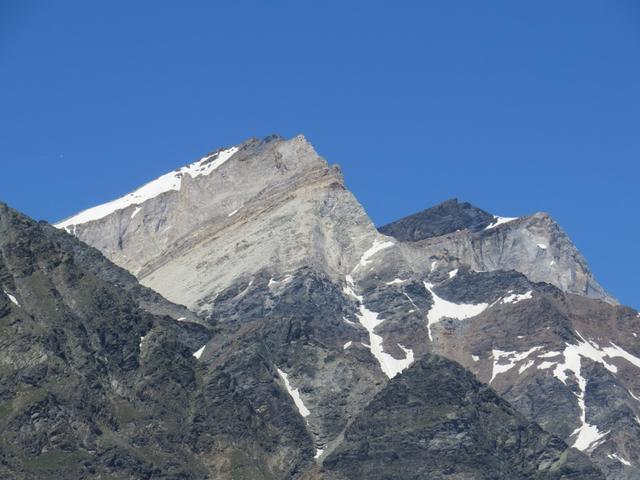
(242, 318)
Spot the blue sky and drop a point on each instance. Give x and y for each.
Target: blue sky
(516, 107)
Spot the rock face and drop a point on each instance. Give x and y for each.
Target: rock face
(436, 421)
(448, 217)
(92, 385)
(534, 245)
(264, 242)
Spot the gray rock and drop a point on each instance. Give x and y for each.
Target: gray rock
(274, 246)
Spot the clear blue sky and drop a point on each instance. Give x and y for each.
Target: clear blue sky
(514, 106)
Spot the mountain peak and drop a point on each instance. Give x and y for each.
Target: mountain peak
(446, 217)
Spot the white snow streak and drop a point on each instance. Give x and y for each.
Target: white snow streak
(369, 320)
(443, 309)
(453, 273)
(294, 393)
(512, 358)
(549, 354)
(545, 365)
(615, 456)
(198, 353)
(390, 366)
(395, 282)
(284, 280)
(500, 220)
(515, 297)
(233, 213)
(347, 345)
(11, 297)
(165, 183)
(587, 434)
(377, 246)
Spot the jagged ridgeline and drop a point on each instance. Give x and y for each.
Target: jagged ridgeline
(275, 333)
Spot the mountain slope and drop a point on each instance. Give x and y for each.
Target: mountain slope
(449, 426)
(93, 386)
(275, 241)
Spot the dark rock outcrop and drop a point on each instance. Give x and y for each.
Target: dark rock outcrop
(446, 217)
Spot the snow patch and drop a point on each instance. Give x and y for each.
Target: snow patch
(136, 211)
(348, 289)
(395, 282)
(591, 350)
(542, 246)
(587, 434)
(369, 320)
(475, 358)
(347, 345)
(545, 365)
(515, 297)
(453, 273)
(198, 353)
(353, 324)
(549, 354)
(525, 366)
(233, 213)
(442, 309)
(512, 359)
(390, 365)
(12, 298)
(615, 456)
(165, 183)
(284, 280)
(377, 246)
(499, 221)
(294, 393)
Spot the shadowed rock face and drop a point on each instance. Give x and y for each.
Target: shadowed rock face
(93, 386)
(436, 421)
(274, 246)
(447, 217)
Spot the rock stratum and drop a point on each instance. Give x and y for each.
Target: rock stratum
(451, 344)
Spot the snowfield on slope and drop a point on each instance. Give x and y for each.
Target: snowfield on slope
(165, 183)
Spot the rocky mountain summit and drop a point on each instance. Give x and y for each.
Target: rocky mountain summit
(332, 332)
(534, 245)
